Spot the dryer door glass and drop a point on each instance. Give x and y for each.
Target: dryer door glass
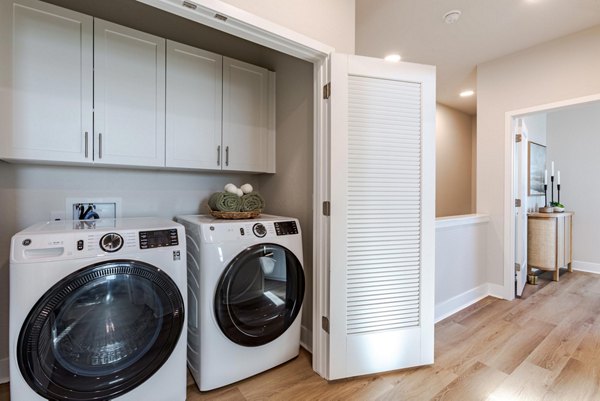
(259, 294)
(101, 331)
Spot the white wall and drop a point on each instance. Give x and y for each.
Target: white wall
(460, 248)
(573, 144)
(561, 69)
(330, 22)
(453, 161)
(536, 129)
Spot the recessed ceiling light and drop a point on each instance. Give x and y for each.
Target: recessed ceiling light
(452, 16)
(394, 58)
(467, 93)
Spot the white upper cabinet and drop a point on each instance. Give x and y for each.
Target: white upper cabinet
(248, 117)
(46, 108)
(129, 96)
(83, 90)
(194, 104)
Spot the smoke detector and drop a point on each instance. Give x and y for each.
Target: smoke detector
(452, 16)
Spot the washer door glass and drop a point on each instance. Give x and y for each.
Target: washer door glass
(259, 294)
(101, 331)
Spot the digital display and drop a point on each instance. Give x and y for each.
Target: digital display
(158, 238)
(286, 227)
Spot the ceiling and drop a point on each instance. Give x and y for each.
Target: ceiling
(486, 30)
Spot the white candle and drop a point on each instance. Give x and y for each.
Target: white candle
(552, 169)
(545, 177)
(558, 177)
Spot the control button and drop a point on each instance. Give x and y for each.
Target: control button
(80, 245)
(26, 242)
(259, 230)
(111, 242)
(242, 231)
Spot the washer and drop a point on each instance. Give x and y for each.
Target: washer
(97, 311)
(245, 291)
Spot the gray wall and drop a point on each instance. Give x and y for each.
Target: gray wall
(573, 138)
(536, 129)
(28, 193)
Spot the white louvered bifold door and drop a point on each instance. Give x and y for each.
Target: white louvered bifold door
(382, 216)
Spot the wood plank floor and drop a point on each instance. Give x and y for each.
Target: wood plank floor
(544, 347)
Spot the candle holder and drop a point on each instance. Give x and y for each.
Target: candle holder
(546, 208)
(552, 190)
(558, 192)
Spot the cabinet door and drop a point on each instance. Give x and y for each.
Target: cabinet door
(194, 104)
(129, 95)
(248, 117)
(47, 90)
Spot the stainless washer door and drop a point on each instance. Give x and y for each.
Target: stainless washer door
(101, 331)
(259, 295)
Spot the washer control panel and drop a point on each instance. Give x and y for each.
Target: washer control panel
(158, 238)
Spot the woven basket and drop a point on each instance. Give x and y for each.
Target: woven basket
(234, 215)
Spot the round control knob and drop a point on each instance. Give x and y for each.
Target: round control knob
(259, 230)
(111, 242)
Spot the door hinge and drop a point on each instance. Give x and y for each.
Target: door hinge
(518, 138)
(518, 267)
(325, 324)
(326, 208)
(517, 202)
(327, 91)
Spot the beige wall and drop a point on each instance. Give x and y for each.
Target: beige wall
(28, 193)
(561, 69)
(454, 151)
(330, 22)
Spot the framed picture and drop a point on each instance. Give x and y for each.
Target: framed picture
(536, 166)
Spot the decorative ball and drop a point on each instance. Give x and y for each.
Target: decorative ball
(231, 188)
(246, 188)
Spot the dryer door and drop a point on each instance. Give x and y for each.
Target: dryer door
(101, 331)
(259, 294)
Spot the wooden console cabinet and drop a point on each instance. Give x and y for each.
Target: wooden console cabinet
(549, 241)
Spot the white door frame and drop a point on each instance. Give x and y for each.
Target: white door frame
(509, 196)
(258, 30)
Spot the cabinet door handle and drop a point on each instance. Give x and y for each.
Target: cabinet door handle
(100, 145)
(227, 155)
(219, 155)
(86, 144)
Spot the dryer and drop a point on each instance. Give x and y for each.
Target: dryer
(97, 311)
(245, 291)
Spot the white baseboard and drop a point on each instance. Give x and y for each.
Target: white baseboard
(306, 339)
(586, 266)
(496, 290)
(4, 376)
(467, 298)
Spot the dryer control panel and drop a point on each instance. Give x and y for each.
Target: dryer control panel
(249, 230)
(286, 227)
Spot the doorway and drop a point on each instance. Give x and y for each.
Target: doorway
(514, 191)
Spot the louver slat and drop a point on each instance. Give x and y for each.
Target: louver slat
(384, 205)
